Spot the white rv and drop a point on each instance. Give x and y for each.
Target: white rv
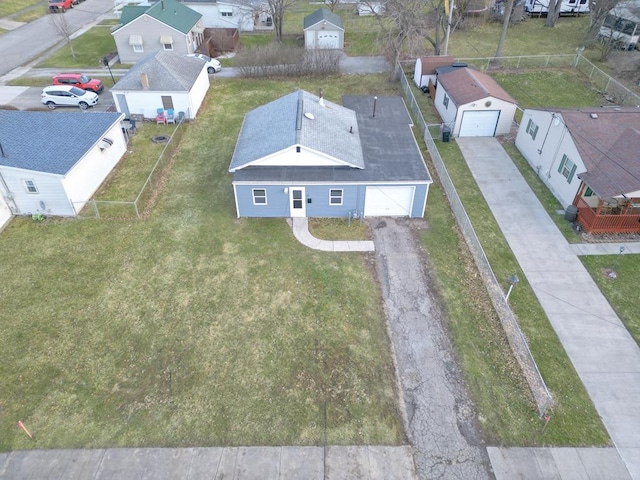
(568, 7)
(623, 24)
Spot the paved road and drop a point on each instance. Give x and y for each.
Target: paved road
(605, 356)
(23, 44)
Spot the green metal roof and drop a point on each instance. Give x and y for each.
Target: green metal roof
(322, 14)
(169, 12)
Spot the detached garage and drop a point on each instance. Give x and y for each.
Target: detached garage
(323, 29)
(472, 104)
(304, 156)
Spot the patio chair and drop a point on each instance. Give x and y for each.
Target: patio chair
(160, 118)
(170, 118)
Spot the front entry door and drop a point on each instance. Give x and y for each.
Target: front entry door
(297, 202)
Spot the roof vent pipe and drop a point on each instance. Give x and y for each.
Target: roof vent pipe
(162, 4)
(351, 129)
(2, 151)
(144, 79)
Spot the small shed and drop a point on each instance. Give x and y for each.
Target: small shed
(472, 104)
(323, 29)
(162, 80)
(425, 69)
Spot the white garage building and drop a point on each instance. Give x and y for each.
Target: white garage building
(323, 29)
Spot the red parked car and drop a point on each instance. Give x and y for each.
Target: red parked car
(78, 80)
(56, 6)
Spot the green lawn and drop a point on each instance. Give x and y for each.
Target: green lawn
(193, 327)
(8, 7)
(32, 14)
(89, 48)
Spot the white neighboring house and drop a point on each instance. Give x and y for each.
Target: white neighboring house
(224, 14)
(623, 24)
(323, 29)
(590, 155)
(44, 170)
(472, 104)
(167, 25)
(162, 80)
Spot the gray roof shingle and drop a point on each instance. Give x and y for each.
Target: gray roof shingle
(166, 71)
(322, 14)
(273, 127)
(35, 140)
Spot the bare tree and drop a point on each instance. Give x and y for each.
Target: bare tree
(506, 17)
(277, 9)
(332, 4)
(59, 22)
(598, 11)
(553, 13)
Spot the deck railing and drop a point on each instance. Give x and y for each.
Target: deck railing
(606, 223)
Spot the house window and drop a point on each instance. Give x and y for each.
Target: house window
(588, 192)
(167, 102)
(167, 47)
(30, 185)
(445, 101)
(567, 168)
(335, 196)
(532, 129)
(138, 48)
(226, 12)
(259, 196)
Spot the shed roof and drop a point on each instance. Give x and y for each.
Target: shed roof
(389, 149)
(430, 63)
(320, 15)
(166, 71)
(609, 146)
(169, 12)
(282, 123)
(30, 140)
(465, 85)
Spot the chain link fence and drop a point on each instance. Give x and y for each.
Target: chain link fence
(515, 336)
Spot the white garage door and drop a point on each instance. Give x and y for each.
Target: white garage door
(388, 201)
(328, 40)
(479, 124)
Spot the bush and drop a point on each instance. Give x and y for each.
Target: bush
(277, 60)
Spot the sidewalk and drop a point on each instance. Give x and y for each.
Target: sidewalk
(604, 354)
(300, 227)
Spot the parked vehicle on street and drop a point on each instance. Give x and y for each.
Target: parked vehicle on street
(78, 80)
(60, 6)
(213, 65)
(67, 95)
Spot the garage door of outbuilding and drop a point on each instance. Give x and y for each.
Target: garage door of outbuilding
(388, 201)
(479, 123)
(328, 40)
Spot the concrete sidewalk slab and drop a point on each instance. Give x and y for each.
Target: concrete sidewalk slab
(604, 354)
(9, 94)
(300, 227)
(630, 248)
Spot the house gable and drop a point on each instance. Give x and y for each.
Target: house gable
(322, 15)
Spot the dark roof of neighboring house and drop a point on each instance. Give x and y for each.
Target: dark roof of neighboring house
(609, 146)
(465, 85)
(429, 64)
(166, 71)
(389, 149)
(169, 12)
(282, 123)
(322, 14)
(30, 142)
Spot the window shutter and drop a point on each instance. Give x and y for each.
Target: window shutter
(535, 132)
(564, 159)
(573, 170)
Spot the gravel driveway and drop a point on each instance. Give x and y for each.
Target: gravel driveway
(441, 419)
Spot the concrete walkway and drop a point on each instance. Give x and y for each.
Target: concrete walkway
(605, 248)
(237, 463)
(300, 227)
(604, 354)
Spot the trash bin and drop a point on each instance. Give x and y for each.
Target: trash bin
(446, 134)
(571, 213)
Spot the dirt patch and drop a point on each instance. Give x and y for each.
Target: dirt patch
(623, 66)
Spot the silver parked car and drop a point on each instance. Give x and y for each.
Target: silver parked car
(67, 95)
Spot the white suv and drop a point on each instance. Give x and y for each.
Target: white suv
(213, 65)
(67, 95)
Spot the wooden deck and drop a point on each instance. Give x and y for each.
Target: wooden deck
(607, 221)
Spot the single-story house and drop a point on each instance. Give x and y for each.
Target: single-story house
(43, 171)
(590, 159)
(425, 69)
(323, 29)
(224, 14)
(303, 156)
(162, 80)
(167, 25)
(472, 104)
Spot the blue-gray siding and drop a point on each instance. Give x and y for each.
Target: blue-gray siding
(278, 203)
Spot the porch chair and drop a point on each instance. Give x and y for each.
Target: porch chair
(170, 118)
(160, 118)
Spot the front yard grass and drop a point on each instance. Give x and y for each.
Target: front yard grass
(193, 327)
(89, 48)
(8, 8)
(32, 14)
